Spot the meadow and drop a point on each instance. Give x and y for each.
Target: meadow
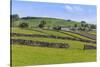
(26, 55)
(50, 22)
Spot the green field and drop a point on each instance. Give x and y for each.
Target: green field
(23, 55)
(49, 32)
(28, 55)
(93, 32)
(31, 55)
(76, 35)
(25, 31)
(50, 22)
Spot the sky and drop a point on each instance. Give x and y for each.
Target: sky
(74, 12)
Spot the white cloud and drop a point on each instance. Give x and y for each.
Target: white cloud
(68, 7)
(73, 8)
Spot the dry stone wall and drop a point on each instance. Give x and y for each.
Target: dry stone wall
(41, 44)
(51, 36)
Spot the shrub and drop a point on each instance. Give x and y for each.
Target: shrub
(23, 25)
(42, 24)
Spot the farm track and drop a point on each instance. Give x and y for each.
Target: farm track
(51, 36)
(38, 43)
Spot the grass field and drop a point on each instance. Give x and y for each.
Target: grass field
(23, 55)
(76, 35)
(93, 32)
(49, 22)
(25, 31)
(28, 55)
(38, 31)
(49, 32)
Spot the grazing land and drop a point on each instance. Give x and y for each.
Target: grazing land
(30, 32)
(50, 22)
(28, 55)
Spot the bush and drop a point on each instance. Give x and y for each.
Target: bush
(23, 25)
(42, 24)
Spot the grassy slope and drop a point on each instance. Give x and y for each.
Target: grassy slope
(49, 22)
(24, 31)
(53, 32)
(48, 32)
(42, 32)
(77, 35)
(93, 32)
(27, 55)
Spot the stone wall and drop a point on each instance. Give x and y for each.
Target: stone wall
(41, 44)
(51, 36)
(89, 47)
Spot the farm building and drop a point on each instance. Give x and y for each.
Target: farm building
(65, 28)
(69, 28)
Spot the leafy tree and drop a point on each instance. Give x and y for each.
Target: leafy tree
(93, 26)
(42, 24)
(75, 25)
(86, 25)
(29, 17)
(69, 20)
(14, 17)
(23, 25)
(83, 23)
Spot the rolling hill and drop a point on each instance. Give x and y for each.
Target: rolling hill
(49, 21)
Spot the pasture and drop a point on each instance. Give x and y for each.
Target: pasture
(27, 55)
(23, 55)
(50, 22)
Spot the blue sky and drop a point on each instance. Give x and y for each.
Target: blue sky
(55, 10)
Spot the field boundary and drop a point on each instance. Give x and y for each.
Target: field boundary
(51, 36)
(38, 43)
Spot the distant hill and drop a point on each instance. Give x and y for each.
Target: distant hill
(34, 21)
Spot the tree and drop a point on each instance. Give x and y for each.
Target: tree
(42, 24)
(92, 26)
(23, 25)
(75, 25)
(83, 23)
(86, 25)
(14, 17)
(69, 20)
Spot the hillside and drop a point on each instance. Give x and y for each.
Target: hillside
(25, 43)
(31, 44)
(49, 21)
